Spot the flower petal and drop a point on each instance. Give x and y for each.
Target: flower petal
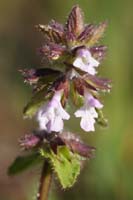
(80, 112)
(51, 115)
(91, 101)
(87, 124)
(85, 61)
(62, 112)
(57, 124)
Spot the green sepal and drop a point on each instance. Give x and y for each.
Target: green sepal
(22, 163)
(65, 164)
(75, 97)
(36, 101)
(101, 120)
(78, 100)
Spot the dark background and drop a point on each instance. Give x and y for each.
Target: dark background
(110, 174)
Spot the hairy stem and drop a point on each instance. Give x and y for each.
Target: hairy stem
(45, 182)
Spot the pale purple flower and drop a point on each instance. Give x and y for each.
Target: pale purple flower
(85, 61)
(88, 112)
(51, 115)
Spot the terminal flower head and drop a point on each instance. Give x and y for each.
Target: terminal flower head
(70, 57)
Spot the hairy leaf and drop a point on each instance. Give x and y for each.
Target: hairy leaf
(65, 164)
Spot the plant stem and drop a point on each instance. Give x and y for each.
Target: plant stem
(45, 182)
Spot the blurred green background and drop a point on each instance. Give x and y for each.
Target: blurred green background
(109, 176)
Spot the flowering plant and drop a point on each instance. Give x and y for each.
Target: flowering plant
(73, 57)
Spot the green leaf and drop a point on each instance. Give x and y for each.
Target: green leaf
(37, 100)
(65, 164)
(22, 163)
(31, 108)
(76, 98)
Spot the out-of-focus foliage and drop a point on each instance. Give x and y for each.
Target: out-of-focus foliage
(109, 175)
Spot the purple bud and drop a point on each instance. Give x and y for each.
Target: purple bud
(29, 141)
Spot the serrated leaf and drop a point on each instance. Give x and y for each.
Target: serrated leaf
(45, 152)
(65, 164)
(22, 163)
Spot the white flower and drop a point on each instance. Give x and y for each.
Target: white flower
(88, 112)
(51, 115)
(85, 61)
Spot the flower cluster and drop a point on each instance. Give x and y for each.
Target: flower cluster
(73, 61)
(72, 57)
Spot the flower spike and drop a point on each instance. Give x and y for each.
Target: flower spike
(68, 79)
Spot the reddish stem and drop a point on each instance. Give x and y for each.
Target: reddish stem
(45, 182)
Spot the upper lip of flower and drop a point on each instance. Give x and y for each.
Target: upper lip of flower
(85, 61)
